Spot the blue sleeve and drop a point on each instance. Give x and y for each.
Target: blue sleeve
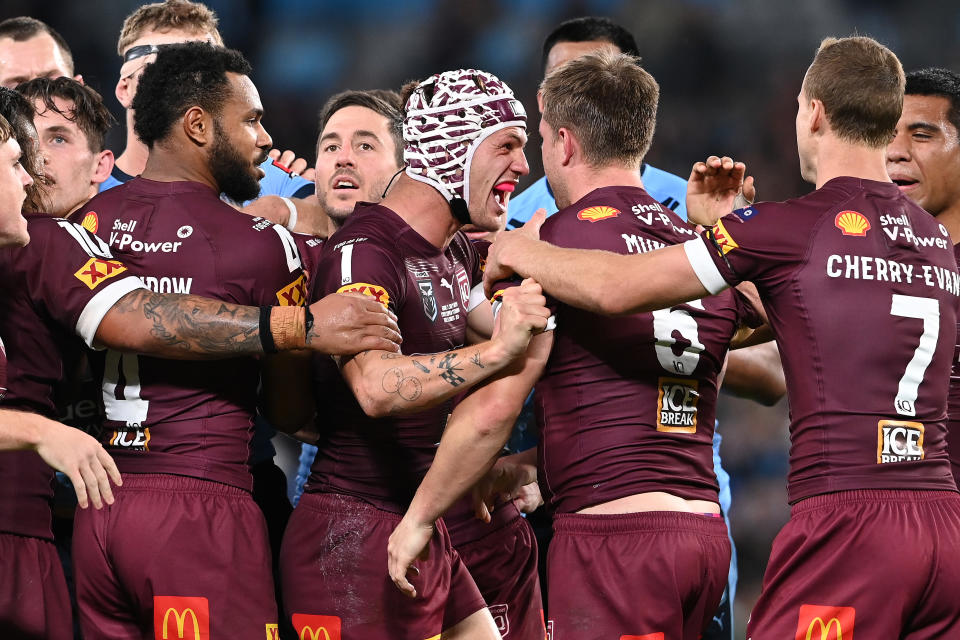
(278, 181)
(666, 188)
(307, 453)
(536, 196)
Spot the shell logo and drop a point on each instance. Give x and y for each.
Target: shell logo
(91, 222)
(595, 214)
(852, 223)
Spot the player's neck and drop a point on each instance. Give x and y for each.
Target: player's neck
(582, 180)
(950, 218)
(134, 157)
(424, 209)
(837, 158)
(166, 163)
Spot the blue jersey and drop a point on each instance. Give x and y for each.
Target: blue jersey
(668, 189)
(277, 181)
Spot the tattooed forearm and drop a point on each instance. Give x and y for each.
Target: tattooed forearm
(475, 359)
(451, 372)
(178, 325)
(409, 388)
(421, 367)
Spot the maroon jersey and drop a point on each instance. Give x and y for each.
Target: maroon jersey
(53, 295)
(376, 253)
(626, 405)
(188, 418)
(953, 401)
(860, 286)
(310, 248)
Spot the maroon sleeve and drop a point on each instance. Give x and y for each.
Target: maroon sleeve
(359, 265)
(275, 278)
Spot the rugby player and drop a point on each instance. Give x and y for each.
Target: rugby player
(72, 124)
(180, 434)
(924, 161)
(625, 450)
(62, 287)
(31, 49)
(869, 467)
(463, 135)
(360, 149)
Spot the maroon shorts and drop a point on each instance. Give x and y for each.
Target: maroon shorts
(502, 558)
(174, 554)
(34, 602)
(881, 564)
(333, 568)
(635, 575)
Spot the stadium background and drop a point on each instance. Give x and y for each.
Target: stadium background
(729, 72)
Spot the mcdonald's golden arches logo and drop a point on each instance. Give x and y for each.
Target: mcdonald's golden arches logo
(181, 618)
(313, 627)
(819, 622)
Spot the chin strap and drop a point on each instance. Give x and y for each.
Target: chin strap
(460, 211)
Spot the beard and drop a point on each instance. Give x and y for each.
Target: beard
(234, 174)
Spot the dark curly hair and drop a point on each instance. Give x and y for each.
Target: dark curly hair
(87, 109)
(939, 82)
(183, 76)
(18, 111)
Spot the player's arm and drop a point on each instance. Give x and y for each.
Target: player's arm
(512, 477)
(68, 450)
(387, 383)
(191, 327)
(475, 433)
(305, 214)
(756, 373)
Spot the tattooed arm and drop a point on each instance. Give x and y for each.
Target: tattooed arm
(194, 328)
(389, 383)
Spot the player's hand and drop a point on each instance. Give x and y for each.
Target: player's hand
(83, 460)
(507, 244)
(524, 314)
(506, 480)
(348, 323)
(713, 187)
(409, 542)
(289, 160)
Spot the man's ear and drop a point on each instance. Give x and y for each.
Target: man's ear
(570, 145)
(103, 167)
(818, 116)
(124, 92)
(198, 126)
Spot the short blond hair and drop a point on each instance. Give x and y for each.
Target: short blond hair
(860, 83)
(608, 101)
(183, 15)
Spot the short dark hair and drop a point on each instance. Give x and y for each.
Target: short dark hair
(383, 101)
(18, 112)
(184, 75)
(609, 101)
(937, 81)
(23, 28)
(88, 110)
(587, 28)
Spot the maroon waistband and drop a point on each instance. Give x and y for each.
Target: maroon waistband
(643, 521)
(859, 496)
(180, 484)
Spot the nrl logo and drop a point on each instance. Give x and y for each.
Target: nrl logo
(428, 299)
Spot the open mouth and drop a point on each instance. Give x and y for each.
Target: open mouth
(344, 182)
(501, 193)
(903, 182)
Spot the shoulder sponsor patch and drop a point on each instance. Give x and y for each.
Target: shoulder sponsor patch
(747, 213)
(294, 294)
(91, 222)
(598, 213)
(852, 223)
(374, 291)
(721, 238)
(96, 270)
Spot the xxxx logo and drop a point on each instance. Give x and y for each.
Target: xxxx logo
(96, 270)
(374, 291)
(294, 294)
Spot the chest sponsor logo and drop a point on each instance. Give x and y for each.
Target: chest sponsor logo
(899, 441)
(463, 282)
(899, 228)
(722, 239)
(374, 291)
(185, 231)
(313, 627)
(501, 618)
(294, 294)
(91, 222)
(852, 223)
(818, 622)
(677, 405)
(135, 439)
(96, 270)
(653, 212)
(598, 213)
(428, 299)
(186, 618)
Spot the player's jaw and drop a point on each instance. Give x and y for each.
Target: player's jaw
(237, 177)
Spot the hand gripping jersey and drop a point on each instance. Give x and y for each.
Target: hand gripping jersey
(627, 404)
(53, 294)
(860, 286)
(377, 254)
(188, 418)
